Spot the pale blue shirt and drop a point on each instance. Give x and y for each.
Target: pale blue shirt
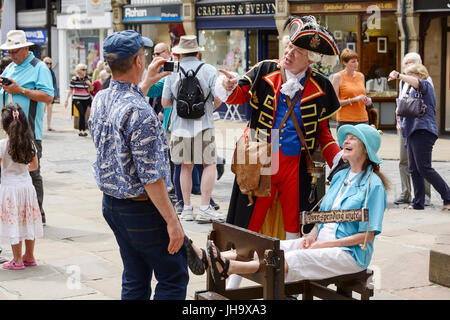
(31, 74)
(207, 75)
(355, 198)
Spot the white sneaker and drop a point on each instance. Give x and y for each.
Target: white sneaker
(209, 215)
(187, 215)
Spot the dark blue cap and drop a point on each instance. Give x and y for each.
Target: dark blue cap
(125, 43)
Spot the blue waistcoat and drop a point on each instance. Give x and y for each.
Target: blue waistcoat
(289, 142)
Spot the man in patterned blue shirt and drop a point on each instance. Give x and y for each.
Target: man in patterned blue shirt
(132, 169)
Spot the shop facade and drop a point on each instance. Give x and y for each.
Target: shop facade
(434, 47)
(80, 35)
(371, 29)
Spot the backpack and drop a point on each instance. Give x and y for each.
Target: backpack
(190, 98)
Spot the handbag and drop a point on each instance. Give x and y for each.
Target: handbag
(411, 107)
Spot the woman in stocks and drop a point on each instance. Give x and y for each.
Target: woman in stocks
(349, 85)
(330, 249)
(80, 87)
(421, 134)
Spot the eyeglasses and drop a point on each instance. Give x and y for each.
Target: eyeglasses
(83, 69)
(13, 52)
(48, 63)
(156, 54)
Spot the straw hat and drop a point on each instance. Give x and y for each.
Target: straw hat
(16, 39)
(187, 44)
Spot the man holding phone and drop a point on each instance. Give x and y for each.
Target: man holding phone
(193, 140)
(28, 82)
(132, 170)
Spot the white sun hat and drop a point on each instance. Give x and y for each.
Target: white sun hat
(16, 39)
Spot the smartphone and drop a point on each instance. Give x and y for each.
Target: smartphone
(6, 81)
(171, 66)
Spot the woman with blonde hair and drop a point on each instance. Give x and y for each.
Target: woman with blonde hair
(349, 85)
(421, 133)
(80, 87)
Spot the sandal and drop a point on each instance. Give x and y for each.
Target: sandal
(196, 265)
(12, 265)
(29, 263)
(216, 275)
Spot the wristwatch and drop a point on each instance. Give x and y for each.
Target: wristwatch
(23, 91)
(398, 75)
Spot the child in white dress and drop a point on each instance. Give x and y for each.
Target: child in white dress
(20, 218)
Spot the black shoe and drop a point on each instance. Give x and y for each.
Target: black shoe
(43, 220)
(196, 192)
(179, 207)
(213, 204)
(220, 167)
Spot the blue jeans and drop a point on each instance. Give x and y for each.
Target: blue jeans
(141, 234)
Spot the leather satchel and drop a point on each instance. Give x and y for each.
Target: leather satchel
(411, 107)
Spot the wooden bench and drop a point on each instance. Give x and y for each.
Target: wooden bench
(270, 275)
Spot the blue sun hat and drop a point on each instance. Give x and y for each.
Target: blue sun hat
(368, 135)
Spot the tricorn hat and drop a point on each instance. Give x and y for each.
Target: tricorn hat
(306, 33)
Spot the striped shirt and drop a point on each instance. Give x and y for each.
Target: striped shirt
(80, 88)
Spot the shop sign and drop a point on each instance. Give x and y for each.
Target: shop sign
(235, 9)
(38, 37)
(431, 5)
(343, 7)
(153, 13)
(83, 21)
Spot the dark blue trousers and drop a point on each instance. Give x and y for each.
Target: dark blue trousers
(141, 234)
(420, 146)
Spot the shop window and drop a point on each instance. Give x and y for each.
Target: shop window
(84, 47)
(378, 56)
(224, 49)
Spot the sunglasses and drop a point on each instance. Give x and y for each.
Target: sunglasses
(48, 63)
(13, 52)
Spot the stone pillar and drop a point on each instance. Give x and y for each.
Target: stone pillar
(281, 15)
(189, 17)
(118, 14)
(412, 25)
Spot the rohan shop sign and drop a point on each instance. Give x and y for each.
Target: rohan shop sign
(162, 13)
(235, 9)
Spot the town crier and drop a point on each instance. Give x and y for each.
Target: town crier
(268, 86)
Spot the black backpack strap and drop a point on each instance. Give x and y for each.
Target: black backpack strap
(183, 71)
(198, 68)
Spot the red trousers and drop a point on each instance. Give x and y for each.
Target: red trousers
(286, 182)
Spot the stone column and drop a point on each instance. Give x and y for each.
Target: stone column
(412, 25)
(189, 17)
(118, 14)
(281, 15)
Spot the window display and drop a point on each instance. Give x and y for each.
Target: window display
(224, 49)
(378, 54)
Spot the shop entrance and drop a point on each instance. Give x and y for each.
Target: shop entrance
(267, 44)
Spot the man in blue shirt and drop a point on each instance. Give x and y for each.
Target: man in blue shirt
(31, 87)
(133, 171)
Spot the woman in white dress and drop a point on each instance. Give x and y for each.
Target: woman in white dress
(330, 249)
(20, 218)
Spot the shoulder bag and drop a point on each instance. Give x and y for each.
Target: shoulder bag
(411, 107)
